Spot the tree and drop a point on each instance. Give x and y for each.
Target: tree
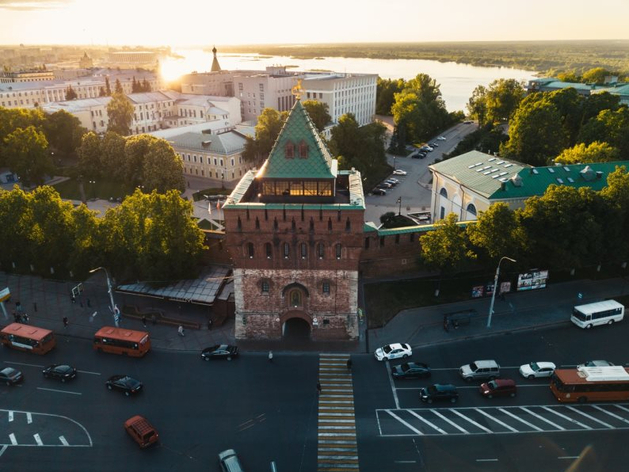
(16, 224)
(569, 104)
(13, 119)
(446, 248)
(102, 92)
(135, 86)
(120, 113)
(596, 76)
(28, 156)
(536, 134)
(385, 94)
(63, 132)
(616, 195)
(107, 87)
(118, 88)
(496, 232)
(162, 169)
(112, 155)
(585, 154)
(503, 98)
(345, 141)
(146, 87)
(90, 156)
(70, 93)
(318, 112)
(597, 102)
(611, 127)
(477, 105)
(269, 125)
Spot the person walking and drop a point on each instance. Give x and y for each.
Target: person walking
(144, 320)
(65, 321)
(209, 324)
(318, 388)
(349, 364)
(270, 356)
(180, 331)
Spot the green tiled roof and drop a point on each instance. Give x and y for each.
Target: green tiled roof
(297, 129)
(478, 171)
(535, 180)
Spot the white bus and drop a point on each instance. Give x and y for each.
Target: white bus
(595, 314)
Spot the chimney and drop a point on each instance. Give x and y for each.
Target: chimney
(599, 174)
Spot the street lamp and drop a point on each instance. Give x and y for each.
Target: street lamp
(92, 184)
(493, 294)
(114, 308)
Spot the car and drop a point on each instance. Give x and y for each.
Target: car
(439, 392)
(486, 369)
(11, 376)
(384, 185)
(535, 370)
(498, 388)
(434, 145)
(467, 122)
(426, 149)
(392, 182)
(379, 191)
(124, 383)
(598, 363)
(220, 351)
(393, 351)
(141, 431)
(399, 172)
(416, 155)
(441, 138)
(61, 372)
(229, 461)
(411, 370)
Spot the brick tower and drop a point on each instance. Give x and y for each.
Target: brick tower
(294, 231)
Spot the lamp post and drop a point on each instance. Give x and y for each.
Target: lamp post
(399, 201)
(493, 294)
(92, 184)
(114, 308)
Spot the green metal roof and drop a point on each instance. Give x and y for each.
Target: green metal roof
(535, 180)
(478, 171)
(298, 129)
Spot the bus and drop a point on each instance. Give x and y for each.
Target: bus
(595, 314)
(122, 341)
(591, 384)
(28, 338)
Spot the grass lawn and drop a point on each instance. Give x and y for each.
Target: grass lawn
(102, 189)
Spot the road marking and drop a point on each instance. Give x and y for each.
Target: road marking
(496, 420)
(4, 448)
(568, 457)
(472, 421)
(435, 412)
(542, 418)
(88, 372)
(584, 426)
(395, 398)
(405, 462)
(10, 416)
(29, 418)
(405, 423)
(64, 441)
(486, 460)
(611, 414)
(22, 363)
(607, 425)
(519, 419)
(58, 391)
(12, 438)
(622, 408)
(38, 439)
(427, 422)
(476, 387)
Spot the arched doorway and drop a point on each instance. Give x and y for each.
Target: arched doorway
(296, 329)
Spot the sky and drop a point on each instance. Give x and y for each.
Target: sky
(203, 22)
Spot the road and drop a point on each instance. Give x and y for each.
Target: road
(414, 188)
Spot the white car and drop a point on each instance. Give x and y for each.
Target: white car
(399, 172)
(441, 138)
(393, 351)
(535, 370)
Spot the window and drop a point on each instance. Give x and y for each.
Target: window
(304, 250)
(338, 251)
(286, 251)
(250, 250)
(326, 288)
(289, 150)
(257, 223)
(471, 209)
(303, 150)
(320, 250)
(268, 249)
(443, 192)
(265, 286)
(348, 225)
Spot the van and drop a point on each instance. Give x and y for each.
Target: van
(141, 431)
(487, 369)
(229, 461)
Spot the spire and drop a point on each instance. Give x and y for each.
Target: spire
(215, 65)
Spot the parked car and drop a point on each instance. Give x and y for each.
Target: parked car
(498, 388)
(391, 182)
(534, 370)
(487, 369)
(379, 191)
(384, 185)
(11, 376)
(441, 138)
(599, 363)
(229, 461)
(220, 351)
(124, 383)
(467, 122)
(411, 370)
(399, 172)
(141, 431)
(439, 392)
(416, 155)
(393, 351)
(434, 145)
(61, 372)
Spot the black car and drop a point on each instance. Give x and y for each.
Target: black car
(124, 383)
(220, 351)
(11, 376)
(411, 370)
(439, 392)
(379, 191)
(416, 155)
(61, 372)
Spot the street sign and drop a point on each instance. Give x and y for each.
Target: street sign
(315, 321)
(77, 290)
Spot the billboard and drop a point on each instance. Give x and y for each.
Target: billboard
(532, 280)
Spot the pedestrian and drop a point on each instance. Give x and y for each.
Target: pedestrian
(154, 319)
(318, 387)
(89, 304)
(144, 320)
(349, 364)
(73, 299)
(270, 356)
(180, 331)
(209, 324)
(65, 321)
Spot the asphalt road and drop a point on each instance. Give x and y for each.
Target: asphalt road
(267, 412)
(397, 432)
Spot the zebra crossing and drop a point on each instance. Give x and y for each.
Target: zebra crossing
(337, 446)
(502, 419)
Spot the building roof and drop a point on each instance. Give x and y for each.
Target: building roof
(478, 171)
(535, 180)
(206, 128)
(299, 129)
(224, 143)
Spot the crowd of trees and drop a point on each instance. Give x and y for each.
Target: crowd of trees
(566, 228)
(150, 237)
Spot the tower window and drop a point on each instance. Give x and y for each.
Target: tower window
(269, 250)
(250, 250)
(289, 150)
(326, 288)
(338, 251)
(265, 286)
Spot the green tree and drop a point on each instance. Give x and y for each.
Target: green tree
(90, 156)
(135, 86)
(112, 155)
(16, 226)
(70, 93)
(118, 88)
(496, 232)
(477, 105)
(120, 113)
(385, 94)
(596, 75)
(87, 242)
(616, 195)
(345, 141)
(136, 150)
(14, 118)
(107, 87)
(611, 127)
(146, 87)
(570, 105)
(503, 98)
(162, 168)
(268, 128)
(597, 102)
(585, 154)
(63, 132)
(536, 134)
(28, 155)
(318, 112)
(446, 249)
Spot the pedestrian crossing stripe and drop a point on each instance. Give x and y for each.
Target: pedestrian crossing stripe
(337, 448)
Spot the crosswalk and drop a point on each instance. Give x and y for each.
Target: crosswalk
(502, 419)
(337, 447)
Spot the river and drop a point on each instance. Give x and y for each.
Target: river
(456, 81)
